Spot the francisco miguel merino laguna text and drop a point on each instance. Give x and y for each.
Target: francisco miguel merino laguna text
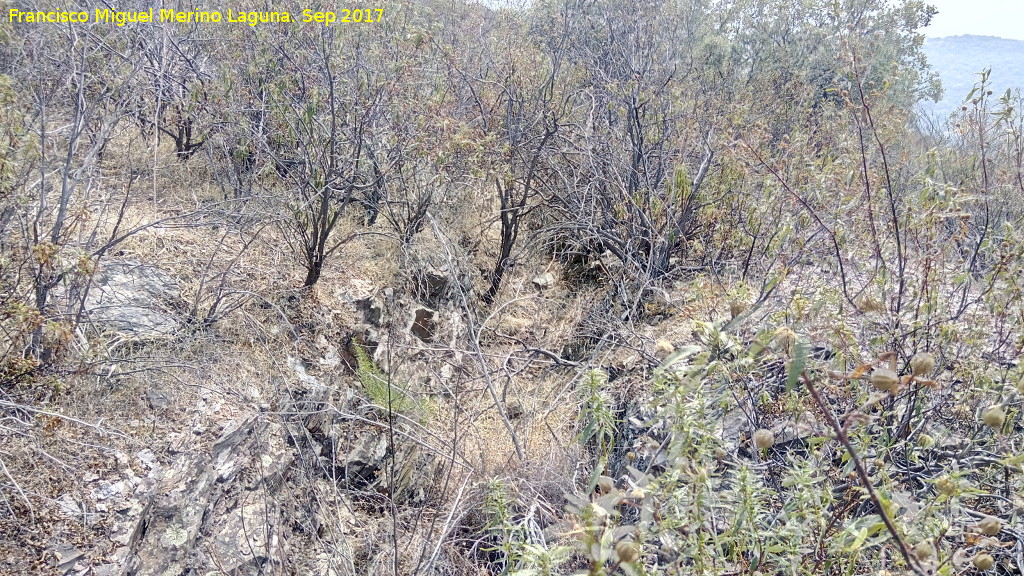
(166, 15)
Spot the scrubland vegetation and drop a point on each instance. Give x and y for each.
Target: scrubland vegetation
(579, 287)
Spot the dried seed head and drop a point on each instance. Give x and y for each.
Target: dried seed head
(868, 303)
(764, 439)
(736, 308)
(947, 486)
(925, 441)
(663, 348)
(984, 561)
(924, 550)
(885, 380)
(627, 551)
(994, 417)
(702, 475)
(990, 526)
(922, 364)
(785, 336)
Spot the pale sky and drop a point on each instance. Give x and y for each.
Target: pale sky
(1003, 18)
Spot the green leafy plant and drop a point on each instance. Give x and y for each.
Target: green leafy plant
(515, 537)
(377, 384)
(597, 417)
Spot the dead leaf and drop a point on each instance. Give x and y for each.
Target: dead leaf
(860, 371)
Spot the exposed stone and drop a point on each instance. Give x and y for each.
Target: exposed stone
(212, 507)
(69, 506)
(134, 298)
(435, 284)
(366, 457)
(367, 336)
(106, 490)
(424, 324)
(299, 368)
(355, 290)
(147, 458)
(435, 279)
(544, 281)
(65, 556)
(331, 359)
(372, 310)
(156, 399)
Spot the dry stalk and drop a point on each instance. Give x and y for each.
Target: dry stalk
(862, 473)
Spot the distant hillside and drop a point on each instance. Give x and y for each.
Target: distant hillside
(959, 59)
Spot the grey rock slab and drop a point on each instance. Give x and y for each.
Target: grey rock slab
(545, 280)
(65, 556)
(213, 512)
(134, 298)
(372, 310)
(368, 451)
(70, 506)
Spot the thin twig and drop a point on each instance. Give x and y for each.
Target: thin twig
(97, 427)
(474, 333)
(862, 473)
(28, 503)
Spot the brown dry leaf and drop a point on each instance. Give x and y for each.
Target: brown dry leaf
(890, 357)
(978, 539)
(860, 371)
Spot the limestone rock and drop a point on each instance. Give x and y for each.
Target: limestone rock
(212, 507)
(65, 558)
(135, 298)
(366, 457)
(544, 281)
(372, 310)
(436, 277)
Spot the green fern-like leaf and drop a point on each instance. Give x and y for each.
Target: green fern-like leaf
(377, 384)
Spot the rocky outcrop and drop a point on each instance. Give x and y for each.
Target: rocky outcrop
(218, 512)
(424, 324)
(212, 512)
(137, 299)
(544, 281)
(437, 279)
